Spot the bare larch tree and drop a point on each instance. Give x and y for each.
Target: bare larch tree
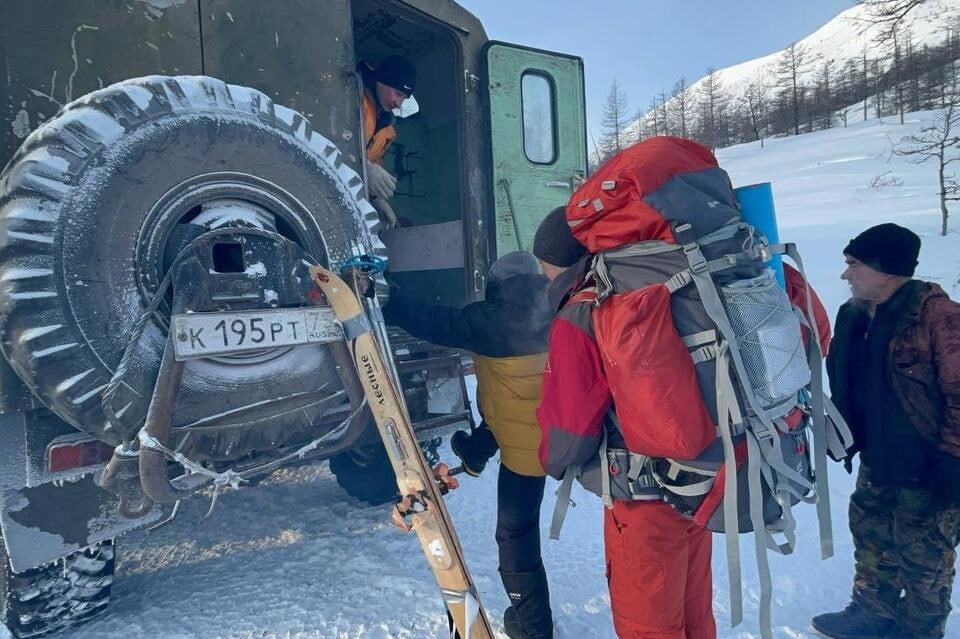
(680, 105)
(887, 15)
(793, 62)
(939, 141)
(614, 120)
(754, 101)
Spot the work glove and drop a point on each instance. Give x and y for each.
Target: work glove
(379, 182)
(945, 479)
(388, 219)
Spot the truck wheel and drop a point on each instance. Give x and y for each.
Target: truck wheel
(369, 479)
(59, 595)
(89, 207)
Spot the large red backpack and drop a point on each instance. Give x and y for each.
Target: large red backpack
(713, 389)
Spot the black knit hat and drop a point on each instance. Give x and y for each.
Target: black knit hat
(554, 243)
(397, 72)
(887, 248)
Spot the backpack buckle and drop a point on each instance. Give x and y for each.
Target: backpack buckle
(688, 240)
(698, 263)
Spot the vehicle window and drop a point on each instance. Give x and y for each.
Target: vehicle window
(539, 123)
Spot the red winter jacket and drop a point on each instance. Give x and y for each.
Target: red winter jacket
(576, 397)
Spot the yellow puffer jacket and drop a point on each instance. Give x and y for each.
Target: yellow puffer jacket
(508, 391)
(507, 334)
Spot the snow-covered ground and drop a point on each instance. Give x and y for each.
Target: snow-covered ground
(296, 558)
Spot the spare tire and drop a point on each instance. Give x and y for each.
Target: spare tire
(91, 200)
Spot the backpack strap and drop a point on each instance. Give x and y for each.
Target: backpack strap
(729, 417)
(638, 466)
(690, 490)
(701, 338)
(600, 271)
(563, 501)
(760, 536)
(820, 406)
(605, 495)
(763, 438)
(839, 436)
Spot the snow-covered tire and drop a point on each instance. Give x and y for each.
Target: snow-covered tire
(57, 596)
(86, 208)
(371, 480)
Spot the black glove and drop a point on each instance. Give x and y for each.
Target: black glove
(945, 478)
(846, 460)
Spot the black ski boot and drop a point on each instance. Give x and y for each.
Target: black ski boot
(853, 622)
(474, 449)
(528, 616)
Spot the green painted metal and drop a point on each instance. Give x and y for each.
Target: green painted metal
(298, 52)
(525, 191)
(426, 164)
(55, 51)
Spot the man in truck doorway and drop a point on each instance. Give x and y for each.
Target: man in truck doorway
(384, 89)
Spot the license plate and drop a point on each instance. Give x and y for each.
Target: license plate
(206, 334)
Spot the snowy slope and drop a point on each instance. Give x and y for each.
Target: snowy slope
(294, 558)
(841, 39)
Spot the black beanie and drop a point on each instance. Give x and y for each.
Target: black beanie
(887, 248)
(397, 72)
(554, 243)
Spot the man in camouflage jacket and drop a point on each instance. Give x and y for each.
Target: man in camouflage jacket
(894, 368)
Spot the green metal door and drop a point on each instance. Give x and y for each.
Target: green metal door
(538, 136)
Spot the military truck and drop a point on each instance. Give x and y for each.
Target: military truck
(171, 166)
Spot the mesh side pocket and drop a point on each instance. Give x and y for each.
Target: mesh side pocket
(769, 337)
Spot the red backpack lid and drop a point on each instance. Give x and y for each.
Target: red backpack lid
(609, 209)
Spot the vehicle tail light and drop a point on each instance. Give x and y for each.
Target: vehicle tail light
(69, 455)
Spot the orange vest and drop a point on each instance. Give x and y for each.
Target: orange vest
(377, 141)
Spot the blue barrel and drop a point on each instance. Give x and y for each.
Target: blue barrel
(758, 210)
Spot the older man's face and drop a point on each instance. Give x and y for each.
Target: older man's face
(866, 283)
(388, 97)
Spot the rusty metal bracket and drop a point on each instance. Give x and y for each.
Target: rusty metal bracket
(121, 477)
(153, 462)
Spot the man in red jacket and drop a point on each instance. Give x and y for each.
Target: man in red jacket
(658, 562)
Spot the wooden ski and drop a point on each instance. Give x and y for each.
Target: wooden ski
(421, 509)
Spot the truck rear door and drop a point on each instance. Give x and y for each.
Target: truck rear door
(537, 136)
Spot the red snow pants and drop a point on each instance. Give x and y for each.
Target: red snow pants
(658, 572)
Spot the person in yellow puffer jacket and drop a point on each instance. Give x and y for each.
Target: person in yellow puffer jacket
(507, 334)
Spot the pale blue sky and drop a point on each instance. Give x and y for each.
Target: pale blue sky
(646, 44)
